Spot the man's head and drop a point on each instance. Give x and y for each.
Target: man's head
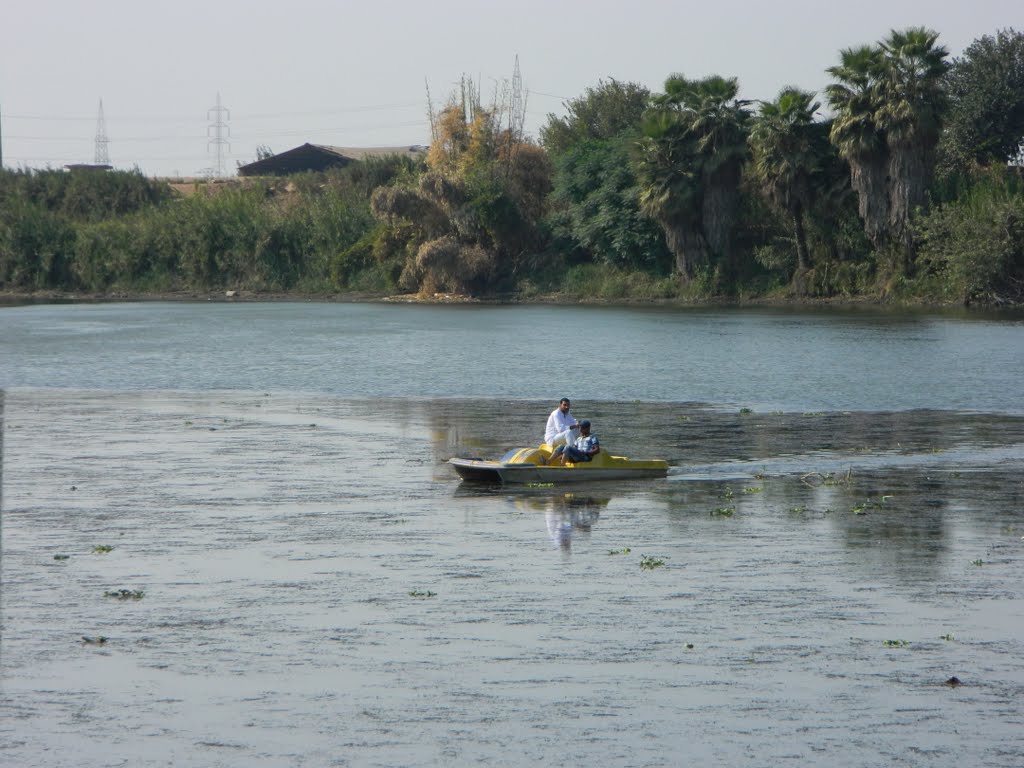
(585, 427)
(563, 405)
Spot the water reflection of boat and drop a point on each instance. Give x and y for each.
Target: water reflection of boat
(529, 465)
(566, 515)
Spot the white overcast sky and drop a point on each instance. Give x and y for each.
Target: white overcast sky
(355, 73)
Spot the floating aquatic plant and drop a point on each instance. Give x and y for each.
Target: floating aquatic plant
(977, 562)
(845, 479)
(753, 489)
(98, 640)
(623, 551)
(896, 643)
(61, 557)
(422, 593)
(723, 512)
(863, 507)
(540, 485)
(102, 549)
(649, 563)
(745, 411)
(947, 637)
(125, 594)
(814, 479)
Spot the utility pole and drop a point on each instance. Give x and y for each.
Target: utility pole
(220, 132)
(102, 156)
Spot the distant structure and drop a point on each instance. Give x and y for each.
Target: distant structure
(218, 133)
(517, 106)
(320, 157)
(101, 155)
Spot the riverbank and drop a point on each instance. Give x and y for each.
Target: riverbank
(13, 298)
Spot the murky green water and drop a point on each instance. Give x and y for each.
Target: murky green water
(319, 589)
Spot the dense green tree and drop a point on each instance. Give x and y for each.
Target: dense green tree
(690, 165)
(595, 206)
(598, 201)
(985, 124)
(787, 160)
(606, 111)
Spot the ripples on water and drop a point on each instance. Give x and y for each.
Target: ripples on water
(319, 589)
(766, 359)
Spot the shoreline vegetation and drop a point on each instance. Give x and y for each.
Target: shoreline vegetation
(19, 298)
(911, 192)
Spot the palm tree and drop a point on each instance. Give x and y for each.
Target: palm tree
(786, 161)
(912, 104)
(689, 166)
(857, 137)
(669, 185)
(889, 105)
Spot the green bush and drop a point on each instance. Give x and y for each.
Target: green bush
(972, 248)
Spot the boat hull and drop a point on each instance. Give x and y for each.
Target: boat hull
(617, 468)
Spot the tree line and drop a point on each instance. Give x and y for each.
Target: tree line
(901, 180)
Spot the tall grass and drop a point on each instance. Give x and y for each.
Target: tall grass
(114, 232)
(609, 283)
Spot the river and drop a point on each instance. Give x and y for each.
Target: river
(230, 538)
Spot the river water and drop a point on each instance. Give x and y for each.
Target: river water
(230, 538)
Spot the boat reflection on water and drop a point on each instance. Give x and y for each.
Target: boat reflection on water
(567, 515)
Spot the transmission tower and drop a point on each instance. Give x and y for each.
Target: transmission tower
(102, 156)
(218, 133)
(517, 106)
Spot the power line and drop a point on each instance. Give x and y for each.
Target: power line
(194, 136)
(243, 116)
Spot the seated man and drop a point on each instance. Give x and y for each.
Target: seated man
(585, 448)
(559, 429)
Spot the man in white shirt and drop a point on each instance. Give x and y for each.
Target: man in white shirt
(560, 426)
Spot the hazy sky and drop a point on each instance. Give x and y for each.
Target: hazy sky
(356, 73)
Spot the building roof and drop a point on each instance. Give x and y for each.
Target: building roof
(319, 157)
(88, 167)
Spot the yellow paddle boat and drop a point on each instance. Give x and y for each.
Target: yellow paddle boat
(531, 465)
